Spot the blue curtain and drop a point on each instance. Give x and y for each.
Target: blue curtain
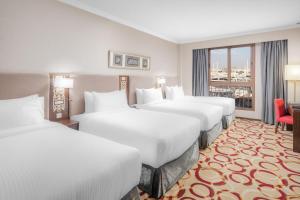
(274, 56)
(200, 72)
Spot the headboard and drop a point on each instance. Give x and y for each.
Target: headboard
(102, 83)
(20, 85)
(98, 83)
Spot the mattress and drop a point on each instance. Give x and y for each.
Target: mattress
(160, 137)
(228, 104)
(51, 161)
(208, 115)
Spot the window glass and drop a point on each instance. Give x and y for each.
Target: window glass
(218, 65)
(241, 64)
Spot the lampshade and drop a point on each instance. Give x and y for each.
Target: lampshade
(63, 83)
(292, 72)
(161, 80)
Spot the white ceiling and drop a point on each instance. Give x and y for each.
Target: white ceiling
(184, 21)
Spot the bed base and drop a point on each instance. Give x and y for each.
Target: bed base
(226, 120)
(207, 137)
(157, 181)
(133, 194)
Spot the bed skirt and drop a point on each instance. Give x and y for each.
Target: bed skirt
(227, 119)
(132, 195)
(157, 181)
(207, 137)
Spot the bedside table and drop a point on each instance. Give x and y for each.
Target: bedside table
(70, 123)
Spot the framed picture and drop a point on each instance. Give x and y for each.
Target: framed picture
(118, 60)
(115, 59)
(128, 61)
(145, 63)
(132, 61)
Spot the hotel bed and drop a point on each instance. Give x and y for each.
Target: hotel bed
(168, 143)
(40, 159)
(210, 116)
(228, 104)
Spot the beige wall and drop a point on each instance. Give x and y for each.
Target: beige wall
(44, 36)
(293, 36)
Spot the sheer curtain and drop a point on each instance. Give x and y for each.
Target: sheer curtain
(274, 56)
(200, 72)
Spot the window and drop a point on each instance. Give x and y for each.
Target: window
(231, 74)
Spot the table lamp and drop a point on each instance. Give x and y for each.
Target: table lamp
(292, 73)
(161, 81)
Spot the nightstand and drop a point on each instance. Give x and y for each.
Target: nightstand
(70, 123)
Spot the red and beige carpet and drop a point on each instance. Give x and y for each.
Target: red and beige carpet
(249, 161)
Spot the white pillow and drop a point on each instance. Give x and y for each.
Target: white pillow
(139, 96)
(152, 95)
(110, 101)
(174, 92)
(21, 112)
(168, 92)
(178, 92)
(22, 99)
(88, 102)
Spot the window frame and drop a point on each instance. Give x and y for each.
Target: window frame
(229, 83)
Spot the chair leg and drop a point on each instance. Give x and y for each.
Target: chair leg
(276, 127)
(282, 126)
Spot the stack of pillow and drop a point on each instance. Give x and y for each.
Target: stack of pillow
(98, 102)
(21, 112)
(173, 93)
(152, 95)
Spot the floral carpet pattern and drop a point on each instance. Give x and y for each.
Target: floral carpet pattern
(249, 161)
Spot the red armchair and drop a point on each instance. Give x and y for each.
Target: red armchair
(281, 116)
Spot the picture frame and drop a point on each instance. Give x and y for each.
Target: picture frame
(120, 60)
(132, 61)
(115, 59)
(146, 63)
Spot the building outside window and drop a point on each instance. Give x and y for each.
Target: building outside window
(232, 74)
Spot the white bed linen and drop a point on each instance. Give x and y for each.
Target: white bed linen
(160, 137)
(51, 161)
(209, 115)
(228, 104)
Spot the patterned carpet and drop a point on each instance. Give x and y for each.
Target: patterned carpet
(248, 161)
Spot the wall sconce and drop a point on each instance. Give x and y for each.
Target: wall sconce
(161, 81)
(60, 83)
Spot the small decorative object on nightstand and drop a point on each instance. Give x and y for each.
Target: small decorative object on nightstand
(70, 123)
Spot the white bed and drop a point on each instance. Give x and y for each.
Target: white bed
(51, 161)
(168, 143)
(210, 116)
(40, 159)
(228, 104)
(160, 137)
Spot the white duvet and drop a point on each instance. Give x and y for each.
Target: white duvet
(50, 161)
(228, 104)
(160, 137)
(208, 115)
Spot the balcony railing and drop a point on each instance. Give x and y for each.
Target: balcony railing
(243, 95)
